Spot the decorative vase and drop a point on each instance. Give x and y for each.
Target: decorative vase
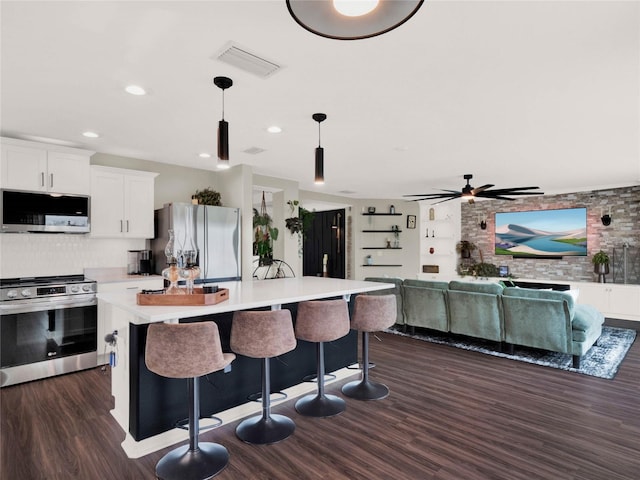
(171, 273)
(601, 269)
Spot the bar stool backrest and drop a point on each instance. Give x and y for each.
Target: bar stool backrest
(185, 350)
(263, 333)
(322, 320)
(373, 313)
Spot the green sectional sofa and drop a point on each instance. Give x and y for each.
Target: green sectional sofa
(549, 320)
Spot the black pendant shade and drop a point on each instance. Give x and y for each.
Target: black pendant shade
(322, 17)
(319, 177)
(223, 140)
(223, 127)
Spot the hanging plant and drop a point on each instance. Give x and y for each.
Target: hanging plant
(264, 234)
(298, 224)
(208, 196)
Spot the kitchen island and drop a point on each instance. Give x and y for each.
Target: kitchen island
(147, 406)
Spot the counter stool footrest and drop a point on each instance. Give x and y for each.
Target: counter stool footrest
(184, 423)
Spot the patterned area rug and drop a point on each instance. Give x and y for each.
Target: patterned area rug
(602, 360)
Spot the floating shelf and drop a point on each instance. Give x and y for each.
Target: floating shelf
(382, 231)
(382, 265)
(381, 248)
(383, 214)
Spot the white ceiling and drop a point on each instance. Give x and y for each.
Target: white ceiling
(517, 93)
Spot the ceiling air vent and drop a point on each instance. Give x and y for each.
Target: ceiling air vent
(254, 150)
(243, 59)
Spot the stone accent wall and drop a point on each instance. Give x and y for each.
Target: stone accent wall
(624, 229)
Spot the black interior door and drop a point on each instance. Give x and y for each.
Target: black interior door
(325, 236)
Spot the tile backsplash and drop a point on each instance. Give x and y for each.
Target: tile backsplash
(29, 255)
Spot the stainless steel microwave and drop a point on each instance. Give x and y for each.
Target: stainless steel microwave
(44, 212)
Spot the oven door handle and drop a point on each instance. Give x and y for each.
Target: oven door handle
(59, 304)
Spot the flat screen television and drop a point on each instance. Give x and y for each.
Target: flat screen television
(542, 233)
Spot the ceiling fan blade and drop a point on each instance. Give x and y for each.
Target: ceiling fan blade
(502, 191)
(475, 191)
(492, 193)
(447, 200)
(434, 195)
(496, 197)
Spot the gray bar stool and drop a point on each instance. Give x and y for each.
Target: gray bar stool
(263, 334)
(371, 313)
(188, 350)
(321, 321)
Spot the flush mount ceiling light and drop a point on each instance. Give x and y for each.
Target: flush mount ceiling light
(91, 134)
(135, 90)
(352, 19)
(319, 178)
(223, 127)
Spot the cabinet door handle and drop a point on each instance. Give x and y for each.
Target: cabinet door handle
(127, 226)
(51, 180)
(121, 226)
(42, 179)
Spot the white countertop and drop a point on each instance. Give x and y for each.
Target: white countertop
(246, 295)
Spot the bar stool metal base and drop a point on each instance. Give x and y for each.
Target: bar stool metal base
(365, 390)
(261, 431)
(183, 463)
(320, 406)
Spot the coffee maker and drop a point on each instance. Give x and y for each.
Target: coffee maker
(139, 262)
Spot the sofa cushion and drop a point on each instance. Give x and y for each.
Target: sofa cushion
(542, 295)
(425, 304)
(476, 287)
(586, 318)
(426, 284)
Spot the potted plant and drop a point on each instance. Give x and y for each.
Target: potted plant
(207, 196)
(600, 265)
(464, 248)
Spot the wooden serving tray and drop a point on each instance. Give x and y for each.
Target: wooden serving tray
(198, 298)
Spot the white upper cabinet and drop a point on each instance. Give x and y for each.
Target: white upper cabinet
(121, 203)
(40, 167)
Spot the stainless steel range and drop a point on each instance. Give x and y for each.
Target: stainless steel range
(48, 326)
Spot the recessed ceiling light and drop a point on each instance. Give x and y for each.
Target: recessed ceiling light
(274, 129)
(91, 134)
(135, 90)
(205, 155)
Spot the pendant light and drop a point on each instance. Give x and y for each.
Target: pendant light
(319, 178)
(223, 127)
(352, 19)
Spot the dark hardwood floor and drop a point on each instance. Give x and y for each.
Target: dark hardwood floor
(451, 415)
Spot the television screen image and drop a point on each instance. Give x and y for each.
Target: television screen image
(542, 233)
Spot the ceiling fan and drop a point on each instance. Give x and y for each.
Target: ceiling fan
(471, 193)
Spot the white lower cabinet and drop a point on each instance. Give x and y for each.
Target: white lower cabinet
(104, 310)
(612, 299)
(121, 203)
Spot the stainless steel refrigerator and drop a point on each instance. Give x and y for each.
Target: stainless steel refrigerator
(216, 232)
